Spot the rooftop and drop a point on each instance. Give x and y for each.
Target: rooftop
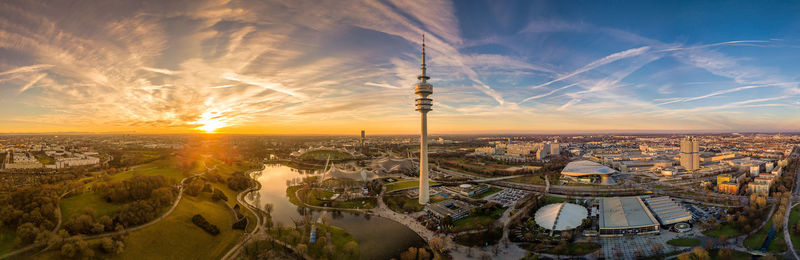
(625, 212)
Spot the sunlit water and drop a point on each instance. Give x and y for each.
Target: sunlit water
(378, 238)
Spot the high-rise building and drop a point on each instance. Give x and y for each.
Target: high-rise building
(423, 89)
(363, 135)
(690, 153)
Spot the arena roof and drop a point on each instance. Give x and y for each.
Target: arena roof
(561, 216)
(625, 212)
(579, 168)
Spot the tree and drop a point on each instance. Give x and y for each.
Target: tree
(657, 247)
(700, 253)
(350, 248)
(301, 249)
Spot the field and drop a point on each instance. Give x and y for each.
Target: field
(533, 179)
(794, 217)
(176, 237)
(475, 222)
(322, 155)
(74, 205)
(401, 203)
(684, 242)
(159, 167)
(727, 230)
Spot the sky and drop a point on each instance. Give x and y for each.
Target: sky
(337, 67)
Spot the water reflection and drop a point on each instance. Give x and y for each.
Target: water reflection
(378, 238)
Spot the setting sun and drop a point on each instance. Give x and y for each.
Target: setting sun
(211, 125)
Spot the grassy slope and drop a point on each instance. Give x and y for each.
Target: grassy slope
(176, 237)
(75, 204)
(159, 167)
(6, 240)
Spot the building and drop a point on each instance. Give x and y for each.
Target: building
(690, 153)
(456, 209)
(667, 211)
(625, 216)
(470, 190)
(758, 188)
(578, 169)
(723, 178)
(561, 216)
(728, 187)
(363, 137)
(423, 89)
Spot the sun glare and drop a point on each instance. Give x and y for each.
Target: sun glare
(211, 125)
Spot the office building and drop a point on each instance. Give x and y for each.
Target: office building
(690, 153)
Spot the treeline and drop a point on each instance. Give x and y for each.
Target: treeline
(133, 189)
(29, 210)
(238, 181)
(201, 222)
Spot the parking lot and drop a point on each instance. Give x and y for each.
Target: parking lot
(508, 197)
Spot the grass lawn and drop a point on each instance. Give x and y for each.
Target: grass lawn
(176, 237)
(362, 203)
(579, 248)
(322, 155)
(401, 203)
(685, 242)
(737, 255)
(723, 230)
(754, 242)
(6, 240)
(794, 217)
(474, 222)
(74, 205)
(401, 185)
(492, 190)
(534, 179)
(554, 199)
(159, 167)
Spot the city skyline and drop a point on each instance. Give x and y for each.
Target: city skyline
(245, 67)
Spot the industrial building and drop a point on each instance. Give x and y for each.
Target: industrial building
(667, 211)
(621, 216)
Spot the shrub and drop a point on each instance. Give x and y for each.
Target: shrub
(241, 224)
(219, 195)
(201, 222)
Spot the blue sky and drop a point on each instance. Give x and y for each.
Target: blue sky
(332, 67)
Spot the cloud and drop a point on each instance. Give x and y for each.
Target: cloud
(382, 85)
(32, 82)
(26, 69)
(712, 94)
(600, 62)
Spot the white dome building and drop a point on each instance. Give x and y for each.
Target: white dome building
(561, 216)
